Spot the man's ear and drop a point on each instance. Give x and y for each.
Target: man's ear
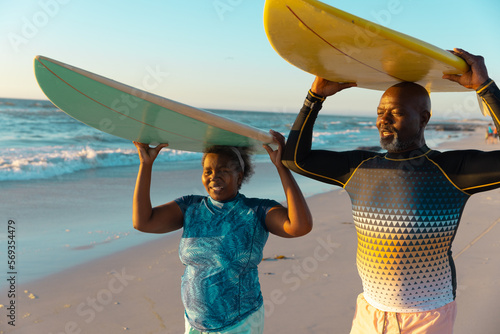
(425, 116)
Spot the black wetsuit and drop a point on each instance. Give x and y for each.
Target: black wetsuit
(406, 208)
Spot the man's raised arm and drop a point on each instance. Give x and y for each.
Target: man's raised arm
(298, 155)
(477, 78)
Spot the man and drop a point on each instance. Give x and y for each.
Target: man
(406, 204)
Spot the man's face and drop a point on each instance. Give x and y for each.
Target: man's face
(400, 121)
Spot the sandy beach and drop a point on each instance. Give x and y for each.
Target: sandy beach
(310, 288)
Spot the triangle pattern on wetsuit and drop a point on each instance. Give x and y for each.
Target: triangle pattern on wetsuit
(406, 213)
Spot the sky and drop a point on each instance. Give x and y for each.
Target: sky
(214, 54)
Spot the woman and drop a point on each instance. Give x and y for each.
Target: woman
(223, 237)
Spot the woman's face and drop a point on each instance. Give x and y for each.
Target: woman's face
(220, 177)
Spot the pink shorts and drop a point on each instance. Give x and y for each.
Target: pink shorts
(369, 320)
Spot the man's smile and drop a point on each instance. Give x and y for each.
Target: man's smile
(386, 133)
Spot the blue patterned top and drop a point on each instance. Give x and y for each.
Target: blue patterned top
(221, 246)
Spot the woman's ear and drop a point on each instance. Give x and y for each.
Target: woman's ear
(240, 179)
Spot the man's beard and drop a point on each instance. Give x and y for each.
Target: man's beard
(396, 146)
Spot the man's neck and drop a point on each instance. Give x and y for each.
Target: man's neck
(410, 153)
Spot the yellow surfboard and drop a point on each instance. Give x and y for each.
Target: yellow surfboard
(333, 44)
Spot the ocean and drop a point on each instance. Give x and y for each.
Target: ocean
(41, 142)
(38, 141)
(47, 159)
